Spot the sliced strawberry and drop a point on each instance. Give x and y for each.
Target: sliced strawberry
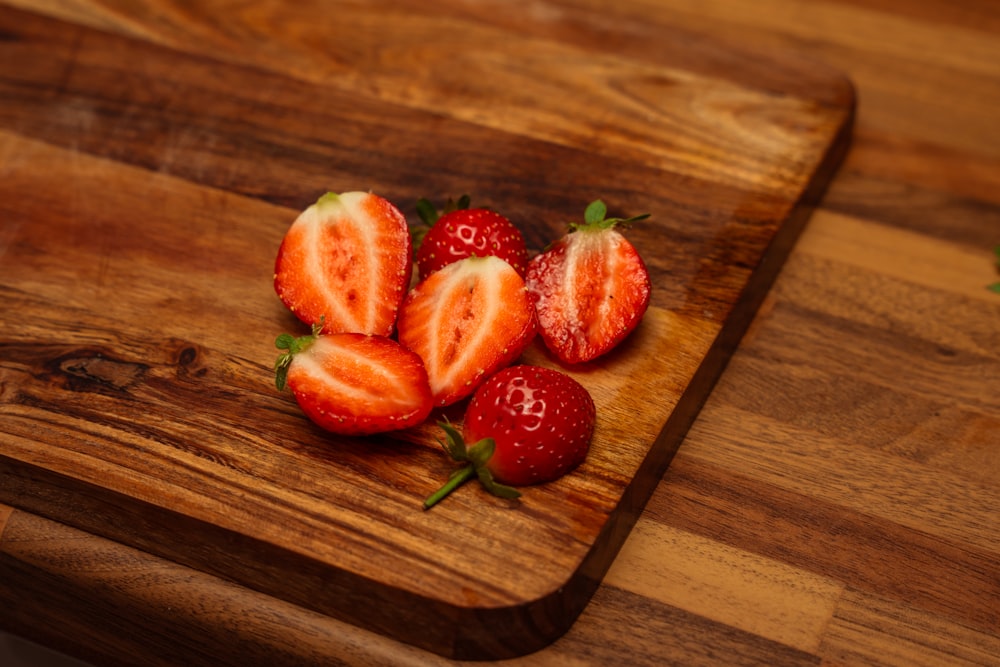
(466, 321)
(466, 232)
(524, 425)
(354, 384)
(590, 288)
(346, 259)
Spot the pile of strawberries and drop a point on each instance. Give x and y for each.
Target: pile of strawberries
(406, 322)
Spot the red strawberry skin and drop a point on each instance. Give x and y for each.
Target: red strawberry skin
(471, 232)
(466, 321)
(541, 419)
(346, 259)
(356, 384)
(590, 290)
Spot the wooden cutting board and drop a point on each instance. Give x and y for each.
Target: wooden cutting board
(151, 164)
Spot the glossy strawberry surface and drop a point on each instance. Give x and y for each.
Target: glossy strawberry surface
(541, 420)
(471, 232)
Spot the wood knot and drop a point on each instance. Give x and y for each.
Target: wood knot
(188, 358)
(90, 370)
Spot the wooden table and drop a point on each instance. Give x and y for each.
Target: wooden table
(835, 501)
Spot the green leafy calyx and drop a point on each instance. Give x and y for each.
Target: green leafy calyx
(595, 217)
(292, 345)
(476, 458)
(429, 215)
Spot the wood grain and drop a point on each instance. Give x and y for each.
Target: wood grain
(835, 500)
(151, 416)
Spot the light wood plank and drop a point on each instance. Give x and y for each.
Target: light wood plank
(740, 589)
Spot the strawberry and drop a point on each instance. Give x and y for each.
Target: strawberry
(466, 321)
(352, 383)
(346, 259)
(590, 288)
(524, 425)
(465, 232)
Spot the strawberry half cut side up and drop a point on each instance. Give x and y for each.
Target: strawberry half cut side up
(460, 232)
(346, 258)
(353, 384)
(467, 321)
(525, 425)
(590, 288)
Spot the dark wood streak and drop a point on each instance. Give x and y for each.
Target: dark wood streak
(741, 518)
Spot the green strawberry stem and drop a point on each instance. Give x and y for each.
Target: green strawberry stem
(477, 456)
(457, 479)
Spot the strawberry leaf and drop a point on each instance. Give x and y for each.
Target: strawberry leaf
(479, 454)
(454, 443)
(429, 214)
(495, 487)
(281, 370)
(595, 212)
(426, 212)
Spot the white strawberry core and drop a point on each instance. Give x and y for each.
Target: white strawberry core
(322, 219)
(581, 253)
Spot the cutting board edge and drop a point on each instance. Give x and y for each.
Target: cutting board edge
(342, 595)
(529, 626)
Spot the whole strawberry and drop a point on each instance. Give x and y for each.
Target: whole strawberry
(347, 260)
(462, 232)
(524, 425)
(353, 384)
(590, 288)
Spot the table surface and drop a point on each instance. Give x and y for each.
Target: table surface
(837, 498)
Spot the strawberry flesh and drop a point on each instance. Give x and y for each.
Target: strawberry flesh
(346, 259)
(590, 290)
(466, 321)
(355, 384)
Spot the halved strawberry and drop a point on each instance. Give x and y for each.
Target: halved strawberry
(354, 384)
(524, 425)
(462, 232)
(346, 259)
(590, 288)
(466, 321)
